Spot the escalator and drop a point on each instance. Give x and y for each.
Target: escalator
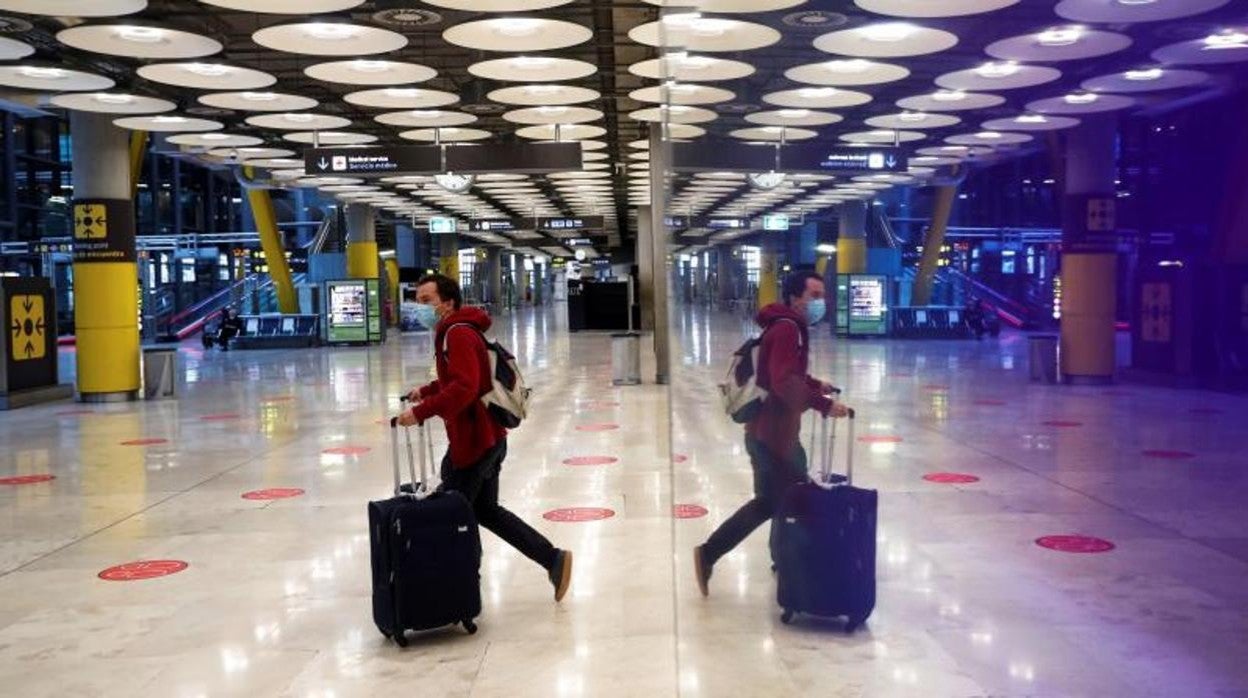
(1028, 313)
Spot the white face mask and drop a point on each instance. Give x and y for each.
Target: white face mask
(815, 310)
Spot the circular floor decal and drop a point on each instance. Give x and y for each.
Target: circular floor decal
(578, 514)
(679, 458)
(273, 493)
(880, 439)
(144, 442)
(143, 569)
(278, 398)
(1062, 423)
(223, 417)
(346, 451)
(1075, 544)
(990, 403)
(951, 478)
(590, 460)
(26, 479)
(606, 426)
(688, 511)
(1169, 455)
(936, 387)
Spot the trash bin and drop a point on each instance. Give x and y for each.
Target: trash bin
(158, 372)
(626, 358)
(1044, 358)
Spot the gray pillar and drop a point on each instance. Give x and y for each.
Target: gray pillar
(361, 227)
(659, 153)
(494, 274)
(645, 266)
(405, 246)
(726, 271)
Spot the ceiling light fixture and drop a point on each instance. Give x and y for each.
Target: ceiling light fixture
(107, 98)
(997, 70)
(42, 73)
(1081, 98)
(816, 92)
(889, 32)
(401, 92)
(298, 118)
(208, 70)
(1031, 119)
(794, 113)
(259, 96)
(949, 96)
(852, 65)
(363, 66)
(141, 35)
(1060, 36)
(988, 135)
(517, 26)
(168, 120)
(214, 136)
(913, 117)
(1229, 39)
(532, 62)
(332, 32)
(1145, 75)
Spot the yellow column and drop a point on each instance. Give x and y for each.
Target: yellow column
(942, 209)
(1088, 323)
(851, 243)
(392, 277)
(448, 256)
(768, 276)
(274, 251)
(362, 260)
(106, 278)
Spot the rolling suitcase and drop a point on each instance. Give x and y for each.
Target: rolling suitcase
(823, 541)
(426, 552)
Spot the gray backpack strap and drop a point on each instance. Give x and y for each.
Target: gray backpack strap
(447, 334)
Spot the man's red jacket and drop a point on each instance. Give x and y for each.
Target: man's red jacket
(783, 362)
(463, 377)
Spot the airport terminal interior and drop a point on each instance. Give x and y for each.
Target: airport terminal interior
(1026, 220)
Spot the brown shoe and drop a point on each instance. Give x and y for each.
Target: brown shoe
(702, 571)
(561, 573)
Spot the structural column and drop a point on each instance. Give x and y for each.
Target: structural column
(659, 155)
(448, 256)
(851, 243)
(726, 273)
(933, 241)
(1089, 249)
(494, 275)
(106, 292)
(362, 260)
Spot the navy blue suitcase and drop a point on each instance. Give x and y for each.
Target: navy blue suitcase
(426, 553)
(823, 543)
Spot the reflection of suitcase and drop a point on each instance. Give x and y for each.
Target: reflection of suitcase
(426, 552)
(823, 542)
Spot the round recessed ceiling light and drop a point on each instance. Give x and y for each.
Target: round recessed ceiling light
(692, 32)
(12, 50)
(402, 98)
(532, 69)
(793, 117)
(206, 76)
(330, 138)
(329, 39)
(543, 94)
(1133, 11)
(998, 76)
(112, 103)
(517, 34)
(299, 121)
(31, 77)
(365, 72)
(135, 41)
(571, 132)
(817, 98)
(426, 118)
(213, 140)
(853, 72)
(168, 124)
(553, 115)
(672, 92)
(1081, 103)
(1030, 122)
(287, 7)
(682, 66)
(932, 8)
(75, 8)
(886, 40)
(1059, 44)
(498, 5)
(258, 101)
(1146, 80)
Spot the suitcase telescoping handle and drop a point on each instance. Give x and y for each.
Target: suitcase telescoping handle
(827, 447)
(420, 487)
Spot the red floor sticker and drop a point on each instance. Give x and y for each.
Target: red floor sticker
(1062, 423)
(144, 442)
(688, 511)
(879, 439)
(990, 403)
(578, 514)
(346, 451)
(1075, 544)
(278, 398)
(273, 493)
(223, 417)
(1169, 455)
(599, 405)
(26, 479)
(679, 458)
(143, 569)
(590, 460)
(951, 478)
(606, 426)
(936, 388)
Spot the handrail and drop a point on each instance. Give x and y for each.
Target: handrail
(317, 243)
(241, 283)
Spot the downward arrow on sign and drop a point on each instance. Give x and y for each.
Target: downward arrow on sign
(323, 163)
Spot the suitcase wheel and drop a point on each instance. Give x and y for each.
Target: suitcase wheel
(471, 627)
(400, 638)
(786, 616)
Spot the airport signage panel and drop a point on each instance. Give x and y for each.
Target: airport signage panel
(845, 160)
(495, 225)
(777, 222)
(722, 223)
(734, 156)
(443, 226)
(676, 222)
(582, 223)
(532, 158)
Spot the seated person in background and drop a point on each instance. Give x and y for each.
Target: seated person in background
(231, 327)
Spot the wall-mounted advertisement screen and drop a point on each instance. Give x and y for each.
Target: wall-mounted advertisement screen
(347, 311)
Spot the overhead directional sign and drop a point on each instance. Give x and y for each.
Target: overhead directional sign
(676, 222)
(796, 157)
(582, 223)
(495, 225)
(534, 158)
(723, 223)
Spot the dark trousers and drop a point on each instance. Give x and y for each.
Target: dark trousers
(772, 476)
(479, 484)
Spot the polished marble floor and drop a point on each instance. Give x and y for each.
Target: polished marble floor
(274, 598)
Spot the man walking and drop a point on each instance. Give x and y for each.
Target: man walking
(478, 443)
(772, 438)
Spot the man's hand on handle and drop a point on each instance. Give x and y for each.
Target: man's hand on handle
(407, 419)
(836, 410)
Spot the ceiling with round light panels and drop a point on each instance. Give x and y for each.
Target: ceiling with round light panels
(168, 124)
(927, 73)
(12, 50)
